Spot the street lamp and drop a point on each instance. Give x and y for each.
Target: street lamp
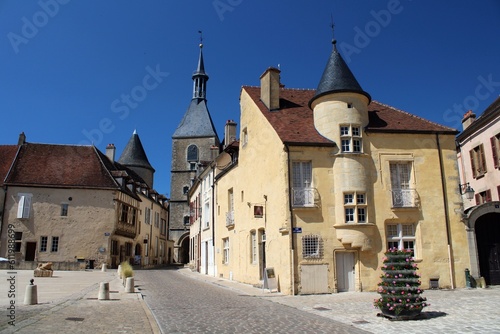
(466, 189)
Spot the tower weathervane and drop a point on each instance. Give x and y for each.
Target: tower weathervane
(201, 38)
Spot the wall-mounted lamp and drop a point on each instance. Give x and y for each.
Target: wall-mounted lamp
(466, 189)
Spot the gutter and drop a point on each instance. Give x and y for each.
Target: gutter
(446, 215)
(292, 244)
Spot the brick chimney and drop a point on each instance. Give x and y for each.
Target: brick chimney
(110, 152)
(270, 88)
(229, 132)
(468, 119)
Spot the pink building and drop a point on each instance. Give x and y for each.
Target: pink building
(478, 153)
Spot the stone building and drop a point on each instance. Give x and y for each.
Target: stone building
(326, 180)
(192, 144)
(76, 207)
(478, 153)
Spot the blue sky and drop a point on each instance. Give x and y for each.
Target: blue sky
(67, 67)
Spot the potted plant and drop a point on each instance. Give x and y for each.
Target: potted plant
(399, 288)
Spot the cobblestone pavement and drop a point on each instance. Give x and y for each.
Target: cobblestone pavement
(67, 303)
(451, 311)
(184, 305)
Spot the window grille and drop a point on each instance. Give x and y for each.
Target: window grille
(312, 246)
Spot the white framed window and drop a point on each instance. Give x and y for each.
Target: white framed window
(55, 244)
(402, 194)
(253, 247)
(303, 192)
(225, 246)
(43, 243)
(351, 138)
(24, 206)
(401, 236)
(311, 246)
(355, 207)
(64, 209)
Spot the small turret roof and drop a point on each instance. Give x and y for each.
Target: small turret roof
(134, 155)
(337, 77)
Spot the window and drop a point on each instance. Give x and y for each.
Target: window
(156, 247)
(495, 150)
(402, 195)
(23, 209)
(355, 207)
(55, 244)
(157, 219)
(147, 216)
(186, 220)
(311, 246)
(64, 209)
(192, 153)
(43, 243)
(185, 190)
(483, 197)
(350, 138)
(477, 161)
(303, 193)
(18, 237)
(124, 213)
(253, 247)
(401, 236)
(163, 226)
(114, 247)
(133, 215)
(245, 136)
(225, 244)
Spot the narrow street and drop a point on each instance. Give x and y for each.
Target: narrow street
(185, 305)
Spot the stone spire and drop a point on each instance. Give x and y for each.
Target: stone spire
(134, 157)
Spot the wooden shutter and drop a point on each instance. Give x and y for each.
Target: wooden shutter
(482, 159)
(494, 150)
(472, 163)
(488, 195)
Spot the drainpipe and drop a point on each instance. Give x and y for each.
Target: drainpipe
(290, 207)
(446, 215)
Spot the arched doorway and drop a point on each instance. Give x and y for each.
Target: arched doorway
(488, 247)
(184, 250)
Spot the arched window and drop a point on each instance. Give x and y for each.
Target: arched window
(192, 153)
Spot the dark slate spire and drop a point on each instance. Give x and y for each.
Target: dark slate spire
(197, 121)
(134, 155)
(337, 77)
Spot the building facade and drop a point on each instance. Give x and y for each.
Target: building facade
(327, 180)
(478, 154)
(74, 206)
(192, 144)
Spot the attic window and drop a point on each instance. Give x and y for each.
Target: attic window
(349, 105)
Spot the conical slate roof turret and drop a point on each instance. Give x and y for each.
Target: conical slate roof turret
(337, 78)
(134, 155)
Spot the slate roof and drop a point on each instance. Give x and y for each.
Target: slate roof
(7, 155)
(337, 77)
(133, 154)
(196, 122)
(294, 123)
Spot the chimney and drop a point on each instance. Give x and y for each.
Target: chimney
(468, 119)
(214, 152)
(229, 132)
(270, 88)
(22, 139)
(110, 152)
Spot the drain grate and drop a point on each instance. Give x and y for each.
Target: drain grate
(321, 308)
(75, 319)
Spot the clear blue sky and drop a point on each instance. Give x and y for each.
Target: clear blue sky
(66, 65)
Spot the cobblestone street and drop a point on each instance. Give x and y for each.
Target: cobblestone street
(185, 305)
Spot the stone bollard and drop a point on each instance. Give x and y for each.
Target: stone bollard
(129, 286)
(119, 272)
(31, 296)
(103, 291)
(104, 267)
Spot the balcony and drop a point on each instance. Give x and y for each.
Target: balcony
(404, 198)
(306, 197)
(229, 218)
(125, 229)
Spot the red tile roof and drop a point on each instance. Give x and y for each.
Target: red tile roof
(7, 155)
(294, 122)
(60, 166)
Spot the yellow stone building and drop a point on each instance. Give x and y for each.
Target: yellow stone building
(326, 180)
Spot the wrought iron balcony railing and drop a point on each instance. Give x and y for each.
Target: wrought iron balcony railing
(305, 197)
(404, 198)
(229, 218)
